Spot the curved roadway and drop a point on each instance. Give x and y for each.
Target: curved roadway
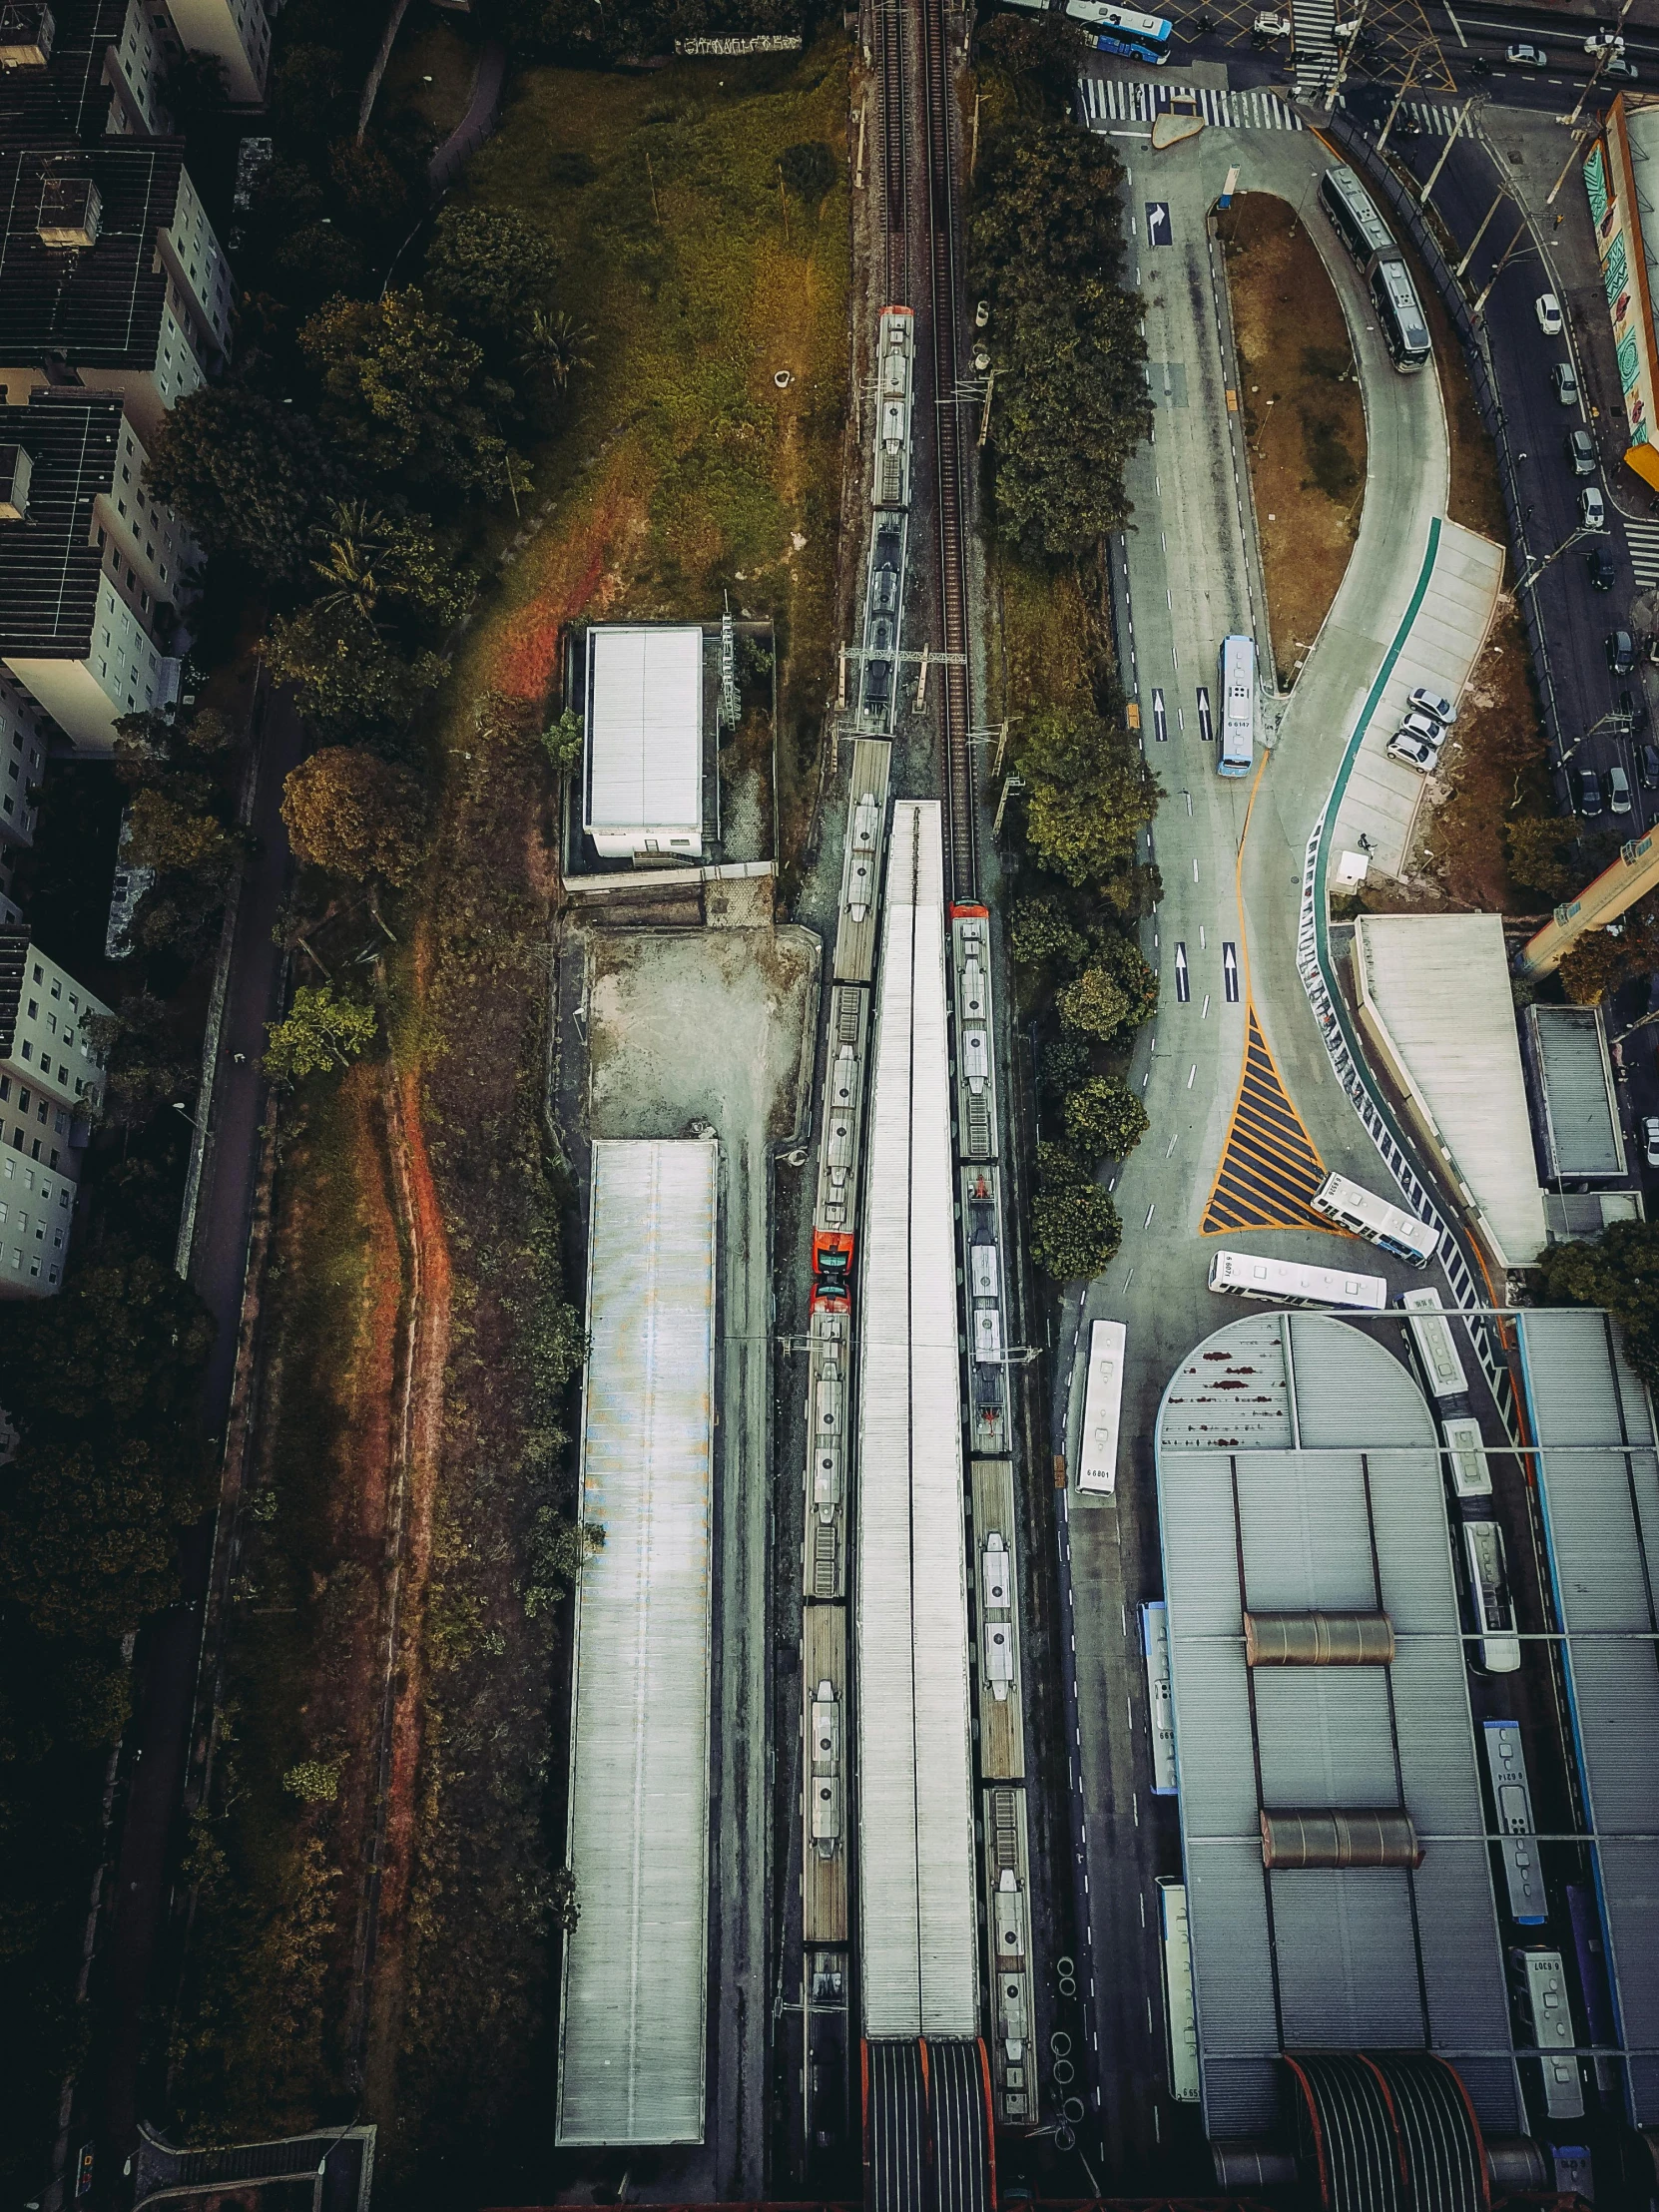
(1231, 857)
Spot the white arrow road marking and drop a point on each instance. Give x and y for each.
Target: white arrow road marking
(1230, 970)
(1183, 981)
(1160, 722)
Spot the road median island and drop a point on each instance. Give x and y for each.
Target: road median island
(1304, 423)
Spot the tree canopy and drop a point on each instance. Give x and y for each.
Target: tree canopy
(1620, 1272)
(1089, 795)
(491, 269)
(1075, 1234)
(355, 814)
(322, 1029)
(246, 474)
(1105, 1120)
(1602, 961)
(401, 392)
(347, 677)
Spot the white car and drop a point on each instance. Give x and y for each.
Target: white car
(1414, 752)
(1548, 309)
(1434, 705)
(1425, 727)
(1650, 1139)
(1592, 509)
(1565, 382)
(1524, 57)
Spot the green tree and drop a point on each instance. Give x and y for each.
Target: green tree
(1065, 1064)
(807, 170)
(1105, 1120)
(1094, 1005)
(146, 1061)
(1089, 795)
(1075, 1234)
(165, 835)
(346, 676)
(89, 1532)
(121, 1347)
(1620, 1272)
(246, 474)
(1038, 54)
(1602, 961)
(1044, 935)
(554, 348)
(1134, 975)
(1540, 854)
(558, 1549)
(401, 392)
(322, 1029)
(492, 270)
(562, 742)
(355, 814)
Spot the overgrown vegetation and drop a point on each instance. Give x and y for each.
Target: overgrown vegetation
(1620, 1272)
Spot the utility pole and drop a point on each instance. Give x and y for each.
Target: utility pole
(985, 417)
(1479, 234)
(1574, 151)
(1536, 568)
(1344, 51)
(1504, 263)
(1614, 44)
(1406, 84)
(1445, 152)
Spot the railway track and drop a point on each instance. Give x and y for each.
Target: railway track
(889, 20)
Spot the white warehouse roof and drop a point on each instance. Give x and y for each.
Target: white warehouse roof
(918, 1898)
(632, 2033)
(644, 740)
(1434, 998)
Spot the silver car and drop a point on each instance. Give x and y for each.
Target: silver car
(1433, 704)
(1414, 752)
(1565, 382)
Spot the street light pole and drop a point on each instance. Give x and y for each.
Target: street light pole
(1479, 234)
(1445, 152)
(1538, 567)
(1504, 263)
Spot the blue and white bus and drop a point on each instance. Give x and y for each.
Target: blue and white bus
(1155, 1648)
(1238, 707)
(1142, 38)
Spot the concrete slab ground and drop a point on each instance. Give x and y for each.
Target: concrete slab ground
(717, 1026)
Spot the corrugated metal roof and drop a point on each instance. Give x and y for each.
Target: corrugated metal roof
(100, 306)
(645, 730)
(50, 566)
(1578, 1113)
(917, 1892)
(1361, 1956)
(1600, 1510)
(632, 2034)
(1440, 984)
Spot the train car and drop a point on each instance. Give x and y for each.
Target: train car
(1465, 1457)
(986, 1287)
(1498, 1647)
(832, 1271)
(1295, 1283)
(835, 1212)
(878, 699)
(1546, 2013)
(1513, 1807)
(1367, 1215)
(1008, 1917)
(1237, 749)
(895, 354)
(970, 945)
(1155, 1649)
(1097, 1454)
(1180, 2013)
(1436, 1351)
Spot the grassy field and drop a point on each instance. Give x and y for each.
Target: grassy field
(1304, 418)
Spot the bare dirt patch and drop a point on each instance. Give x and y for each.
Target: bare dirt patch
(1303, 416)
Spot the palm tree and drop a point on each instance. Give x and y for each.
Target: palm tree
(362, 557)
(556, 346)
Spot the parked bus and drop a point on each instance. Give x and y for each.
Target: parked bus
(1143, 38)
(1238, 707)
(1466, 1456)
(1400, 316)
(1542, 1989)
(1368, 1215)
(1498, 1650)
(1512, 1804)
(1293, 1282)
(1355, 218)
(1180, 2014)
(1155, 1647)
(1436, 1351)
(1097, 1458)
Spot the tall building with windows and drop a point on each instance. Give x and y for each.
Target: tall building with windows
(24, 744)
(82, 69)
(237, 32)
(88, 567)
(51, 1084)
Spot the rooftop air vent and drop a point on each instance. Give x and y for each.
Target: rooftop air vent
(26, 29)
(15, 470)
(71, 212)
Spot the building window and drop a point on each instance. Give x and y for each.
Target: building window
(33, 1004)
(23, 1098)
(28, 1050)
(5, 1087)
(35, 1150)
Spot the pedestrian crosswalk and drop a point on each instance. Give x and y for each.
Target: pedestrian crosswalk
(1437, 118)
(1644, 553)
(1313, 25)
(1109, 100)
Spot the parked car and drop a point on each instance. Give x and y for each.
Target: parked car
(1581, 453)
(1650, 1139)
(1588, 789)
(1420, 725)
(1647, 767)
(1548, 309)
(1600, 566)
(1621, 67)
(1434, 705)
(1565, 382)
(1620, 649)
(1416, 753)
(1592, 509)
(1618, 792)
(1525, 57)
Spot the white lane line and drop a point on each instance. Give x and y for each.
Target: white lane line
(1206, 1013)
(1191, 1072)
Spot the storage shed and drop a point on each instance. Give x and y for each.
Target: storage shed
(1575, 1109)
(642, 759)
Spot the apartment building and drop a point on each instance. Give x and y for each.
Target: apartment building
(110, 275)
(51, 1082)
(237, 31)
(23, 748)
(89, 568)
(82, 69)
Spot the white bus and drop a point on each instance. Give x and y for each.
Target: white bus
(1155, 1646)
(1544, 1997)
(1498, 1649)
(1367, 1215)
(1436, 1351)
(1180, 2014)
(1512, 1802)
(1466, 1456)
(1097, 1457)
(1238, 707)
(1293, 1282)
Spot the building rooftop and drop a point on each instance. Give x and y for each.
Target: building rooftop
(645, 732)
(632, 2026)
(1435, 1000)
(49, 564)
(97, 307)
(1297, 1471)
(1575, 1107)
(67, 98)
